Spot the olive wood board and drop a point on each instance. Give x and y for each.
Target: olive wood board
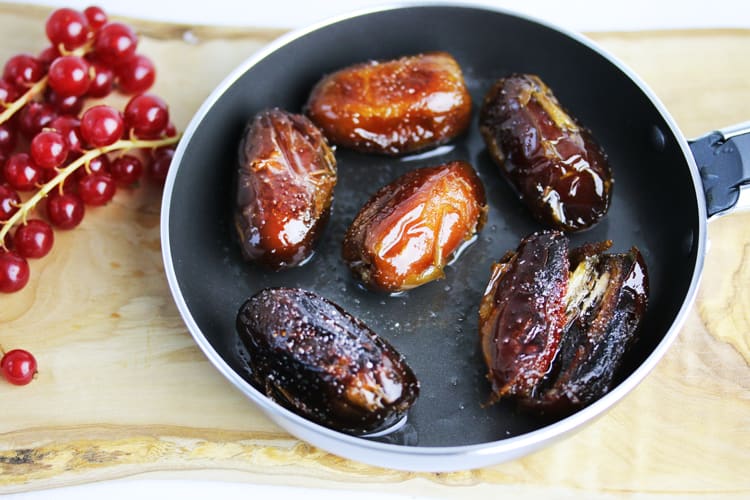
(123, 391)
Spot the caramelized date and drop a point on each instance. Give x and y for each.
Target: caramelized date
(406, 233)
(311, 356)
(555, 325)
(285, 184)
(393, 107)
(557, 168)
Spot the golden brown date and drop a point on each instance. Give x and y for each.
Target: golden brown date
(557, 168)
(285, 184)
(311, 356)
(555, 324)
(406, 233)
(393, 107)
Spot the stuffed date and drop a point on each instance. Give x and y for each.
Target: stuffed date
(309, 355)
(285, 183)
(393, 107)
(555, 324)
(408, 231)
(554, 164)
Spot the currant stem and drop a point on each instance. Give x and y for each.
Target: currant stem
(63, 173)
(14, 106)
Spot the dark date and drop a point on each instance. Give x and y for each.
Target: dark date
(408, 231)
(555, 165)
(314, 358)
(285, 183)
(393, 107)
(555, 324)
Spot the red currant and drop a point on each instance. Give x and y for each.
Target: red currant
(23, 70)
(159, 166)
(97, 165)
(47, 55)
(68, 126)
(126, 170)
(34, 117)
(8, 138)
(65, 211)
(115, 42)
(71, 105)
(95, 16)
(147, 115)
(67, 27)
(101, 83)
(49, 149)
(34, 239)
(8, 92)
(21, 172)
(14, 272)
(9, 201)
(69, 75)
(136, 75)
(18, 366)
(101, 125)
(96, 189)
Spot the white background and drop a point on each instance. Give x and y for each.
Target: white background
(577, 15)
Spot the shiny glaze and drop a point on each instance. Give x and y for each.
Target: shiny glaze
(314, 358)
(285, 184)
(407, 232)
(393, 107)
(558, 169)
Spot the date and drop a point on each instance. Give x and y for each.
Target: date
(314, 358)
(285, 182)
(554, 164)
(556, 324)
(393, 107)
(404, 236)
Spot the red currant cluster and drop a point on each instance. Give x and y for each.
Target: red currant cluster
(59, 148)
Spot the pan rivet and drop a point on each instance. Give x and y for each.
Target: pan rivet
(658, 140)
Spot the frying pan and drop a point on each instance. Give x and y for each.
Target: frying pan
(435, 326)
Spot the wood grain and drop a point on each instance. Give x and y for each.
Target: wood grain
(123, 390)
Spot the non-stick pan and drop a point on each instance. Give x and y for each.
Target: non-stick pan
(659, 204)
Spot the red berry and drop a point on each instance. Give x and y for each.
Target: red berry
(159, 166)
(96, 189)
(49, 149)
(65, 211)
(67, 27)
(71, 105)
(68, 126)
(136, 75)
(95, 16)
(8, 92)
(126, 170)
(34, 117)
(101, 125)
(9, 201)
(14, 272)
(18, 366)
(115, 43)
(23, 70)
(21, 172)
(147, 115)
(47, 55)
(34, 239)
(69, 75)
(101, 83)
(8, 138)
(97, 165)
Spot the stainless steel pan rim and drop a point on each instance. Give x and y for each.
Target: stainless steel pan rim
(413, 458)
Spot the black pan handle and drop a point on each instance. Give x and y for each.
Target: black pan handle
(723, 159)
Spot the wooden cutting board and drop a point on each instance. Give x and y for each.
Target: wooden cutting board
(122, 389)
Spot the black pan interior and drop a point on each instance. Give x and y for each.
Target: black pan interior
(435, 326)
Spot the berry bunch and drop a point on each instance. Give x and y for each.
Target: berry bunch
(59, 152)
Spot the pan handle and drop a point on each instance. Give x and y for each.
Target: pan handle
(723, 159)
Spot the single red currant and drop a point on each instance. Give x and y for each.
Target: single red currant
(126, 170)
(147, 115)
(95, 16)
(115, 43)
(21, 173)
(49, 149)
(8, 92)
(23, 70)
(67, 27)
(34, 117)
(8, 138)
(136, 75)
(71, 105)
(65, 211)
(9, 201)
(18, 366)
(14, 272)
(69, 75)
(101, 83)
(96, 189)
(34, 239)
(47, 55)
(159, 166)
(102, 125)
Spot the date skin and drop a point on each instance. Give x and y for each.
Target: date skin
(554, 164)
(314, 358)
(555, 324)
(404, 236)
(393, 107)
(285, 183)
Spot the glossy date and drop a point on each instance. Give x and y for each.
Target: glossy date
(285, 183)
(554, 164)
(311, 356)
(393, 107)
(555, 324)
(407, 232)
